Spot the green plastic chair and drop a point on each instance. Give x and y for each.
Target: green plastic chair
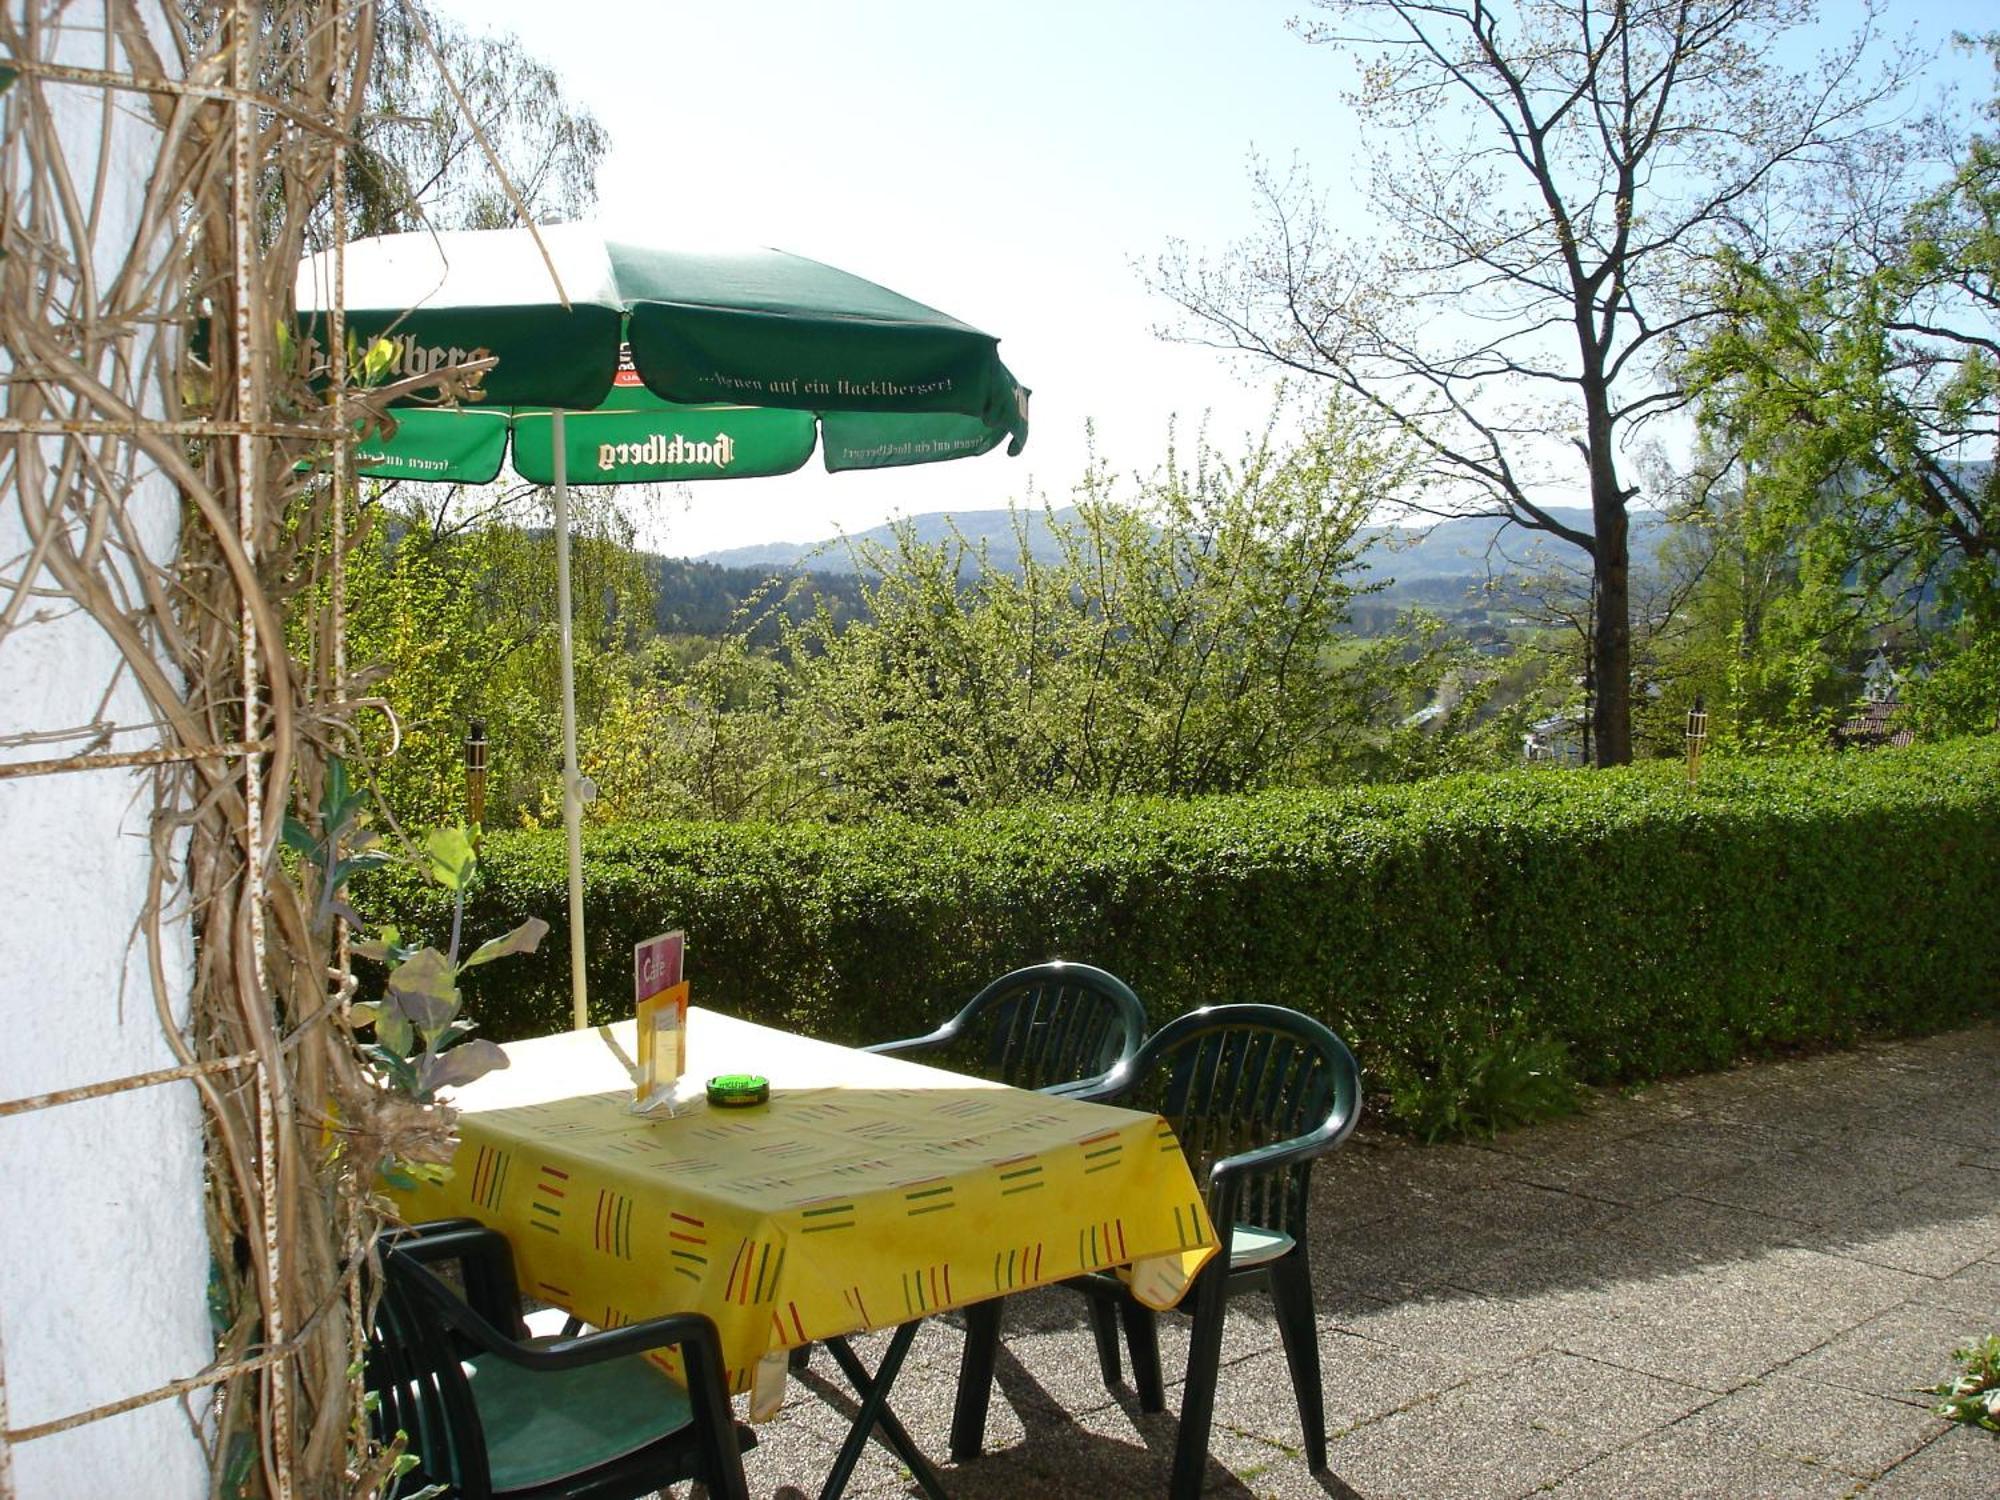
(1255, 1094)
(1061, 1028)
(490, 1414)
(1057, 1027)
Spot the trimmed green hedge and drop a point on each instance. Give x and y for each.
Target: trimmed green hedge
(1646, 927)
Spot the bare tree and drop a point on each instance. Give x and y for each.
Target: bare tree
(1551, 178)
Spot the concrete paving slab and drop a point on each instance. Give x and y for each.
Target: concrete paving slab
(1975, 1290)
(1938, 1227)
(1686, 1461)
(1712, 1230)
(1899, 1354)
(1729, 1323)
(1471, 1335)
(1632, 1170)
(1876, 1167)
(1962, 1464)
(1861, 1434)
(1460, 1445)
(1409, 1251)
(1363, 1381)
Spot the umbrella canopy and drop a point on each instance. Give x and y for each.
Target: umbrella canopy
(615, 363)
(745, 357)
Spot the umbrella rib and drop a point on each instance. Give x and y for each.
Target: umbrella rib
(492, 157)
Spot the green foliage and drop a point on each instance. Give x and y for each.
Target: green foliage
(1644, 927)
(1481, 1090)
(1859, 393)
(1186, 640)
(420, 1043)
(1974, 1396)
(1183, 640)
(1767, 631)
(452, 616)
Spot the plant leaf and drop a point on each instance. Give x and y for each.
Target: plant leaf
(356, 864)
(398, 1068)
(422, 989)
(462, 1064)
(523, 939)
(299, 837)
(451, 857)
(339, 800)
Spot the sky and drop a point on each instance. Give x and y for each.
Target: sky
(1018, 166)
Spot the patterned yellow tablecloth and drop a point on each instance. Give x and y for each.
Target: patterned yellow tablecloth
(869, 1191)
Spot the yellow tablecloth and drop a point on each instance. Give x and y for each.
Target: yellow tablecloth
(869, 1191)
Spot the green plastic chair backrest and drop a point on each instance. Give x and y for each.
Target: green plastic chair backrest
(1232, 1079)
(414, 1369)
(1053, 1023)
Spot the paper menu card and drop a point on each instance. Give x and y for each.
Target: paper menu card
(662, 996)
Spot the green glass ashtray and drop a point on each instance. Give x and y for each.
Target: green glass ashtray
(738, 1090)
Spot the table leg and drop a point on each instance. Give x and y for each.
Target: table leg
(874, 1393)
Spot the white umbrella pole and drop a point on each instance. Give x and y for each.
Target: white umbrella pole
(572, 787)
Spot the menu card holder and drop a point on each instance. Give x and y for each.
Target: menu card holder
(662, 997)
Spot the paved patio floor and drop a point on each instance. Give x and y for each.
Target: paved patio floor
(1735, 1285)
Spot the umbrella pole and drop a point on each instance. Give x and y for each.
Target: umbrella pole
(572, 789)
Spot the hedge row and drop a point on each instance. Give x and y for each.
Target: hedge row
(1647, 927)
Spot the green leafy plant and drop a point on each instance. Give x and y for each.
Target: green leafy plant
(344, 847)
(1512, 1080)
(1974, 1396)
(421, 1043)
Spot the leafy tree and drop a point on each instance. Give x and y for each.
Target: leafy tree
(1862, 393)
(421, 158)
(455, 623)
(1184, 643)
(1557, 175)
(1762, 627)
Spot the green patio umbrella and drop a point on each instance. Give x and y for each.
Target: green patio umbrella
(616, 363)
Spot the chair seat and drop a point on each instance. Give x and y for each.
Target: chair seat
(1251, 1246)
(543, 1426)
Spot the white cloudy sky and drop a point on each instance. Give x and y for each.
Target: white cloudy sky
(1014, 165)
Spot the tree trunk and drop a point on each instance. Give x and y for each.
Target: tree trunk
(1611, 632)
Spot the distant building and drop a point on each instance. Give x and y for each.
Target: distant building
(1872, 724)
(1557, 740)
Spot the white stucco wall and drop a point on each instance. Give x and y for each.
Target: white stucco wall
(103, 1250)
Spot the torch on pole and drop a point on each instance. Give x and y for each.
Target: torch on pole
(475, 774)
(1697, 736)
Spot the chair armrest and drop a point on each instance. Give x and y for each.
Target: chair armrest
(1313, 1143)
(930, 1041)
(1101, 1089)
(688, 1328)
(562, 1353)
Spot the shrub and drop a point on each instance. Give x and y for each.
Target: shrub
(1641, 926)
(1973, 1397)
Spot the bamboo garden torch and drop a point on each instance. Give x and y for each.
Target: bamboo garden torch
(475, 774)
(1697, 736)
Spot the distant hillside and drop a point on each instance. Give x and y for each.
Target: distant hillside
(1418, 559)
(692, 596)
(1440, 568)
(994, 528)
